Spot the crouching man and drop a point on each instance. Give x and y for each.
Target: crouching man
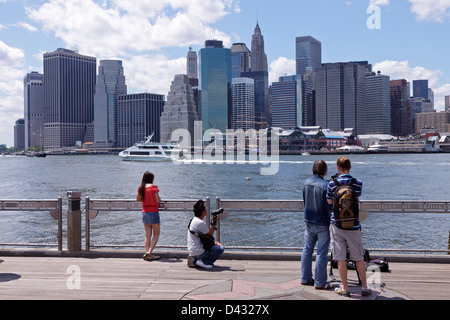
(198, 256)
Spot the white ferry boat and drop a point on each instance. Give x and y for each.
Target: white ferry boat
(378, 148)
(152, 151)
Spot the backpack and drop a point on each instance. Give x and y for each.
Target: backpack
(345, 205)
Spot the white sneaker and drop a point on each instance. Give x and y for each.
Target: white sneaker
(199, 263)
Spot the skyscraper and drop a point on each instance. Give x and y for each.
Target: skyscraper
(401, 119)
(286, 108)
(110, 84)
(420, 89)
(138, 116)
(378, 104)
(259, 57)
(34, 109)
(240, 59)
(180, 109)
(192, 64)
(243, 94)
(69, 86)
(341, 96)
(215, 86)
(308, 53)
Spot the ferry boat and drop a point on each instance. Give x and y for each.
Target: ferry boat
(152, 151)
(378, 148)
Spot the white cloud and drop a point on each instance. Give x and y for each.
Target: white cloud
(12, 71)
(402, 70)
(280, 67)
(431, 10)
(25, 26)
(379, 2)
(126, 26)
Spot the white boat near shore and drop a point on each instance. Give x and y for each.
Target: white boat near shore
(152, 151)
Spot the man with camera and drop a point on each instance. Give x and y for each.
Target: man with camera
(200, 253)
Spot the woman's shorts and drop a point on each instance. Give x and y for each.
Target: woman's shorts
(150, 218)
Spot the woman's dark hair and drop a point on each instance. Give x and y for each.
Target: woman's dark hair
(147, 178)
(199, 207)
(320, 168)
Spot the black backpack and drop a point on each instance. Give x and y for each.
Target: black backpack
(345, 205)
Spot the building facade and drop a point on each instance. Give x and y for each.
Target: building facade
(138, 116)
(180, 110)
(308, 53)
(243, 97)
(34, 110)
(110, 84)
(19, 134)
(341, 96)
(378, 104)
(420, 89)
(69, 87)
(215, 86)
(240, 59)
(259, 57)
(433, 120)
(286, 107)
(401, 117)
(192, 64)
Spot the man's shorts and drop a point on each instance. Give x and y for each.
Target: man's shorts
(343, 239)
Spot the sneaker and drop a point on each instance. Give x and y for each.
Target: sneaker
(366, 292)
(341, 291)
(201, 264)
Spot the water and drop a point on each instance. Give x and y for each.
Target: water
(385, 177)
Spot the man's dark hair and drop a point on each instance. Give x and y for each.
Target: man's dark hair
(199, 207)
(320, 168)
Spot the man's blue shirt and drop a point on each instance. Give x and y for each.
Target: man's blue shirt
(317, 210)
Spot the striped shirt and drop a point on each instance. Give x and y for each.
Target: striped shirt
(344, 180)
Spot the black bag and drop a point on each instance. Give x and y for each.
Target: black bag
(207, 240)
(345, 205)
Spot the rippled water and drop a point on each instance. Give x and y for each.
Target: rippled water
(385, 177)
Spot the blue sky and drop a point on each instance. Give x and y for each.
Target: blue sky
(152, 37)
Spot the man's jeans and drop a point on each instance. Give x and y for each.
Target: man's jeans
(210, 256)
(320, 235)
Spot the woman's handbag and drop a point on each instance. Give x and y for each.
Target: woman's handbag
(207, 240)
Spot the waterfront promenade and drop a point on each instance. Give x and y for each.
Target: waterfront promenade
(239, 276)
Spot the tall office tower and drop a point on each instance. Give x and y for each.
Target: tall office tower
(110, 84)
(138, 116)
(308, 98)
(179, 110)
(401, 119)
(215, 86)
(243, 95)
(286, 108)
(447, 103)
(262, 111)
(378, 104)
(19, 134)
(341, 96)
(192, 64)
(420, 89)
(308, 53)
(259, 57)
(69, 87)
(240, 59)
(34, 109)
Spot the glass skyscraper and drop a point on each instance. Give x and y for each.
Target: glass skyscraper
(215, 86)
(69, 86)
(110, 84)
(308, 53)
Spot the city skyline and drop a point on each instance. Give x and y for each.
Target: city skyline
(410, 43)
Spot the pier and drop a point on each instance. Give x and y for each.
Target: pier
(72, 267)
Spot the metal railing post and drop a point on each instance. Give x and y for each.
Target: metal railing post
(74, 221)
(218, 223)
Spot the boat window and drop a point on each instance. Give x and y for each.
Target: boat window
(139, 153)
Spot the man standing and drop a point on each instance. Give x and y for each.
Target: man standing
(317, 222)
(346, 235)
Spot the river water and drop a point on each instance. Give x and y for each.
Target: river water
(385, 177)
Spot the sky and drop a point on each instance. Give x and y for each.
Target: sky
(405, 39)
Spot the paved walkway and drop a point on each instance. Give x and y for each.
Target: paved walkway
(103, 278)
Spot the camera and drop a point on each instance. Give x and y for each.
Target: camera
(335, 176)
(216, 213)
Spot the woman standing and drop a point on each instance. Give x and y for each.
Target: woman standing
(148, 194)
